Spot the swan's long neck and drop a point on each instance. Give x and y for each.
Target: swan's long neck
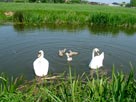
(93, 53)
(42, 55)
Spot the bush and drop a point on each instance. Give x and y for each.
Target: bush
(133, 3)
(20, 1)
(32, 0)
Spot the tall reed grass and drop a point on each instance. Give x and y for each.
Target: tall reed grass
(37, 14)
(117, 88)
(63, 17)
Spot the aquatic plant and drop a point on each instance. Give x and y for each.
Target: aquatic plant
(37, 14)
(9, 85)
(73, 88)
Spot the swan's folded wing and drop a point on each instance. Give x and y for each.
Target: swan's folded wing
(102, 55)
(41, 67)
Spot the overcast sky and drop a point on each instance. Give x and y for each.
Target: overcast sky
(110, 1)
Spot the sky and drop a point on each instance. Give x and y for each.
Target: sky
(110, 1)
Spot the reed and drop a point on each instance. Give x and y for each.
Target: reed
(33, 13)
(117, 88)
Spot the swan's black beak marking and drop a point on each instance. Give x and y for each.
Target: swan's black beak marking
(39, 54)
(97, 52)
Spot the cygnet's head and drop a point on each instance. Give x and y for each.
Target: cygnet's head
(41, 53)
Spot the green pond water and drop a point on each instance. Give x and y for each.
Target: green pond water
(19, 45)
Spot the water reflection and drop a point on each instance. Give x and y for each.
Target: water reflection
(96, 30)
(21, 27)
(106, 30)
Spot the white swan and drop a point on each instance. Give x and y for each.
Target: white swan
(41, 65)
(69, 58)
(97, 60)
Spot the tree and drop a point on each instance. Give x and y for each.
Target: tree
(133, 3)
(32, 0)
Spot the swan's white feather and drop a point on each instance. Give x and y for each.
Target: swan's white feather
(97, 61)
(41, 66)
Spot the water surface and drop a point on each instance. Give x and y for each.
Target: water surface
(19, 46)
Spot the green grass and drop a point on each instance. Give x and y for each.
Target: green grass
(117, 88)
(41, 13)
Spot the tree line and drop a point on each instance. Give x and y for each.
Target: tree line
(131, 4)
(48, 1)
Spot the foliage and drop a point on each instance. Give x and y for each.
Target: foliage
(118, 88)
(47, 1)
(32, 0)
(75, 1)
(128, 5)
(39, 13)
(19, 1)
(133, 2)
(9, 85)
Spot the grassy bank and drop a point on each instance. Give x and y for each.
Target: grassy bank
(118, 88)
(40, 13)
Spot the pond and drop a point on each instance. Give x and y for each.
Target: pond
(19, 45)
